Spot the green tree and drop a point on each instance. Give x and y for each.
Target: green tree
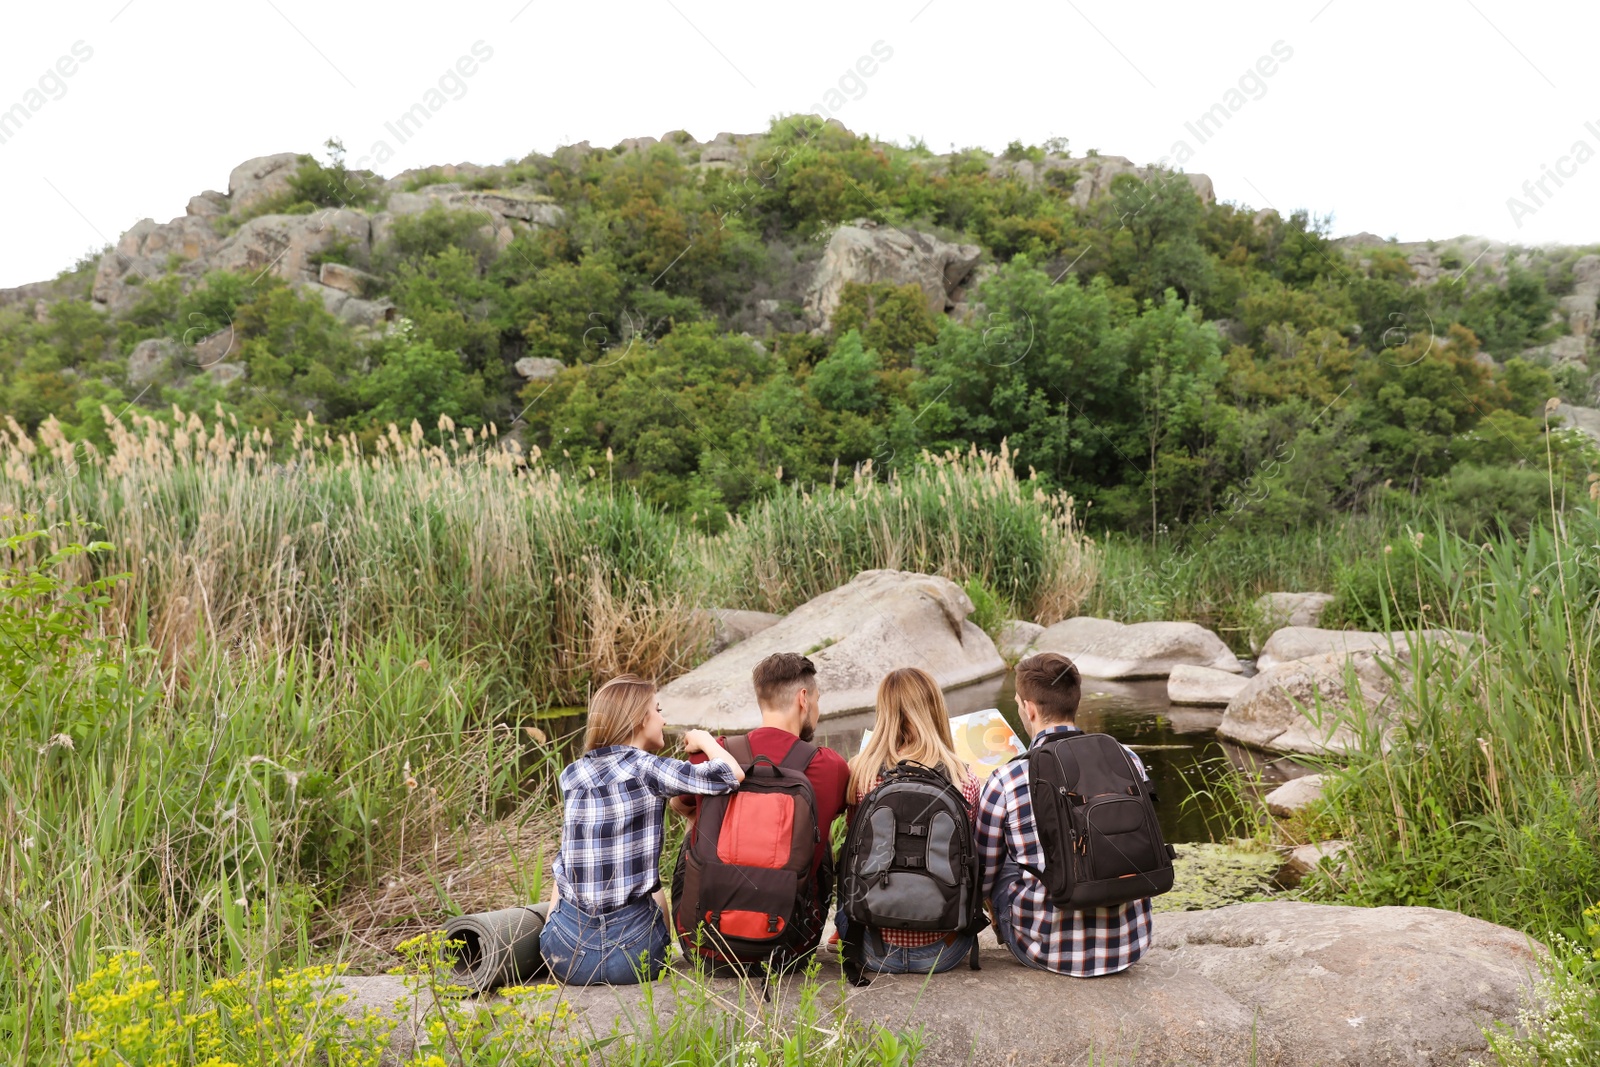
(847, 380)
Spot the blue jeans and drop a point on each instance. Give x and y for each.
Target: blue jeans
(620, 947)
(878, 955)
(1006, 878)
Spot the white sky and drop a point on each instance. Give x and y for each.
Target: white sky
(1412, 118)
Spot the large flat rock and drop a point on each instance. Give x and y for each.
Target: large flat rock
(1277, 984)
(1303, 642)
(1105, 648)
(855, 635)
(1304, 705)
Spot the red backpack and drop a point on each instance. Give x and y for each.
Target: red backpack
(744, 885)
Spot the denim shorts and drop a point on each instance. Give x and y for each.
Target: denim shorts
(622, 947)
(880, 956)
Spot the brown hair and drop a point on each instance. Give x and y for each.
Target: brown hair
(912, 723)
(1051, 681)
(777, 676)
(617, 710)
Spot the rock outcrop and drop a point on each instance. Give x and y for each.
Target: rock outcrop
(1276, 984)
(855, 635)
(1303, 642)
(867, 252)
(1203, 686)
(1016, 635)
(1104, 648)
(1303, 705)
(729, 626)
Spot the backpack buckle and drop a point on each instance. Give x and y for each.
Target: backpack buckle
(772, 924)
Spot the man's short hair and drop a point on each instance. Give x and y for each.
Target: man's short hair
(1051, 681)
(777, 676)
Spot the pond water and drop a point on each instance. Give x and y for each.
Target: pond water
(1202, 782)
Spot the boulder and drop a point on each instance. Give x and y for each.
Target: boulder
(208, 205)
(286, 244)
(1273, 984)
(1303, 859)
(1299, 706)
(1277, 610)
(538, 368)
(1295, 795)
(867, 252)
(152, 358)
(855, 634)
(1103, 648)
(144, 253)
(1203, 686)
(213, 348)
(261, 178)
(1015, 637)
(504, 211)
(225, 374)
(1575, 417)
(1303, 642)
(729, 626)
(347, 278)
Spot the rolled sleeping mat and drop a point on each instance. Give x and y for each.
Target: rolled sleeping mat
(498, 948)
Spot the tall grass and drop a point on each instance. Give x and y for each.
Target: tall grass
(960, 515)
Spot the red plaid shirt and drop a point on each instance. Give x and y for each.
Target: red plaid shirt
(1079, 943)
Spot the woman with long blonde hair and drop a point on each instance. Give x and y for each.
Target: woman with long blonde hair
(607, 917)
(912, 723)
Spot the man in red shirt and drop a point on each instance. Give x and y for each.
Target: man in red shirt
(787, 694)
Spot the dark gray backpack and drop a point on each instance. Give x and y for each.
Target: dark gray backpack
(1097, 824)
(909, 862)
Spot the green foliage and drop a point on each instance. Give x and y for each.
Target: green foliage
(847, 380)
(416, 381)
(893, 320)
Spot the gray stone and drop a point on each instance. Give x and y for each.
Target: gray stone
(152, 358)
(213, 348)
(1303, 642)
(1203, 686)
(1274, 984)
(1302, 705)
(259, 179)
(729, 626)
(144, 253)
(286, 244)
(1295, 795)
(1575, 417)
(1277, 610)
(209, 204)
(342, 276)
(1015, 637)
(855, 634)
(225, 374)
(538, 368)
(1303, 859)
(1104, 648)
(866, 252)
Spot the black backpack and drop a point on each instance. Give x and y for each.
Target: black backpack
(909, 862)
(1097, 823)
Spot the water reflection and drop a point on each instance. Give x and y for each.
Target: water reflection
(1197, 777)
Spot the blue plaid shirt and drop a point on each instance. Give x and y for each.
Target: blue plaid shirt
(1079, 943)
(613, 800)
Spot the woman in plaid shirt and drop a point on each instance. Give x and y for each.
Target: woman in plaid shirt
(912, 724)
(607, 916)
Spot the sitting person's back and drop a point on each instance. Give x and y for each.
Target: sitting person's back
(787, 694)
(912, 724)
(1084, 943)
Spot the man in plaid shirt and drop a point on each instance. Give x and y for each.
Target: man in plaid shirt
(1080, 943)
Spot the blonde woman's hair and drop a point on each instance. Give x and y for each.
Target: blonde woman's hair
(617, 710)
(913, 723)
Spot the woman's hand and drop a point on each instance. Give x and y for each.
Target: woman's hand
(699, 741)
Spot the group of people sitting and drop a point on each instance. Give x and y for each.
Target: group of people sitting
(927, 843)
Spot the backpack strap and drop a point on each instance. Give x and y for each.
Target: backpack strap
(739, 748)
(799, 757)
